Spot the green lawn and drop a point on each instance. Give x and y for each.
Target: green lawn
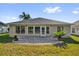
(11, 49)
(4, 38)
(76, 38)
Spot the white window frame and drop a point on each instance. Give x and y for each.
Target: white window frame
(40, 30)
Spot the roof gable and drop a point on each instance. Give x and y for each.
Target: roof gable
(39, 21)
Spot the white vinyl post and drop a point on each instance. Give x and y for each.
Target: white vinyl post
(33, 30)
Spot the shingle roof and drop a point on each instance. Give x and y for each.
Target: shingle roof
(39, 21)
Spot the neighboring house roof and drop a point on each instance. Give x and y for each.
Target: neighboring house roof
(39, 21)
(2, 24)
(76, 23)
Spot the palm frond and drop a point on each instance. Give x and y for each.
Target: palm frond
(24, 16)
(21, 16)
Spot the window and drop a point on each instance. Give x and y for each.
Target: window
(47, 30)
(60, 28)
(22, 29)
(43, 30)
(77, 29)
(30, 30)
(18, 29)
(73, 30)
(37, 30)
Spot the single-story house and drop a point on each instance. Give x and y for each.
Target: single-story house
(3, 28)
(38, 27)
(75, 28)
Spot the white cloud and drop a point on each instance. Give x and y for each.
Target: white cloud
(10, 19)
(52, 9)
(14, 18)
(75, 12)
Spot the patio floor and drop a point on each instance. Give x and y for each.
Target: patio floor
(36, 39)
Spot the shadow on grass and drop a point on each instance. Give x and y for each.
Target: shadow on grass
(69, 40)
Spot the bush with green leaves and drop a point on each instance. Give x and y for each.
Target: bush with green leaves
(59, 34)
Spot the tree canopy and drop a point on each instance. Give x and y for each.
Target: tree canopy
(24, 16)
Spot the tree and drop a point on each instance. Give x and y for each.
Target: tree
(24, 16)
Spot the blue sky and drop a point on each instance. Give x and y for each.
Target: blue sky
(56, 11)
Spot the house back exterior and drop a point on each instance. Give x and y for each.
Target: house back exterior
(38, 27)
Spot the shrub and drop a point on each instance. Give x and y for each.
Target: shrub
(15, 38)
(59, 34)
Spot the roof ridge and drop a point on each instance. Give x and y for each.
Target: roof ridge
(50, 19)
(41, 20)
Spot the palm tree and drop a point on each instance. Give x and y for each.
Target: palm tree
(24, 16)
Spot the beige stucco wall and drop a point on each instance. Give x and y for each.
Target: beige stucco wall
(52, 29)
(67, 29)
(12, 30)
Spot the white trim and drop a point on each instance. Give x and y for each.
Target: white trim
(71, 29)
(40, 30)
(27, 30)
(41, 34)
(44, 31)
(49, 30)
(33, 30)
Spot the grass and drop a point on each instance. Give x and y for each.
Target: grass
(11, 49)
(4, 38)
(76, 38)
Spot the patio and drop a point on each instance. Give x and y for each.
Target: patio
(36, 39)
